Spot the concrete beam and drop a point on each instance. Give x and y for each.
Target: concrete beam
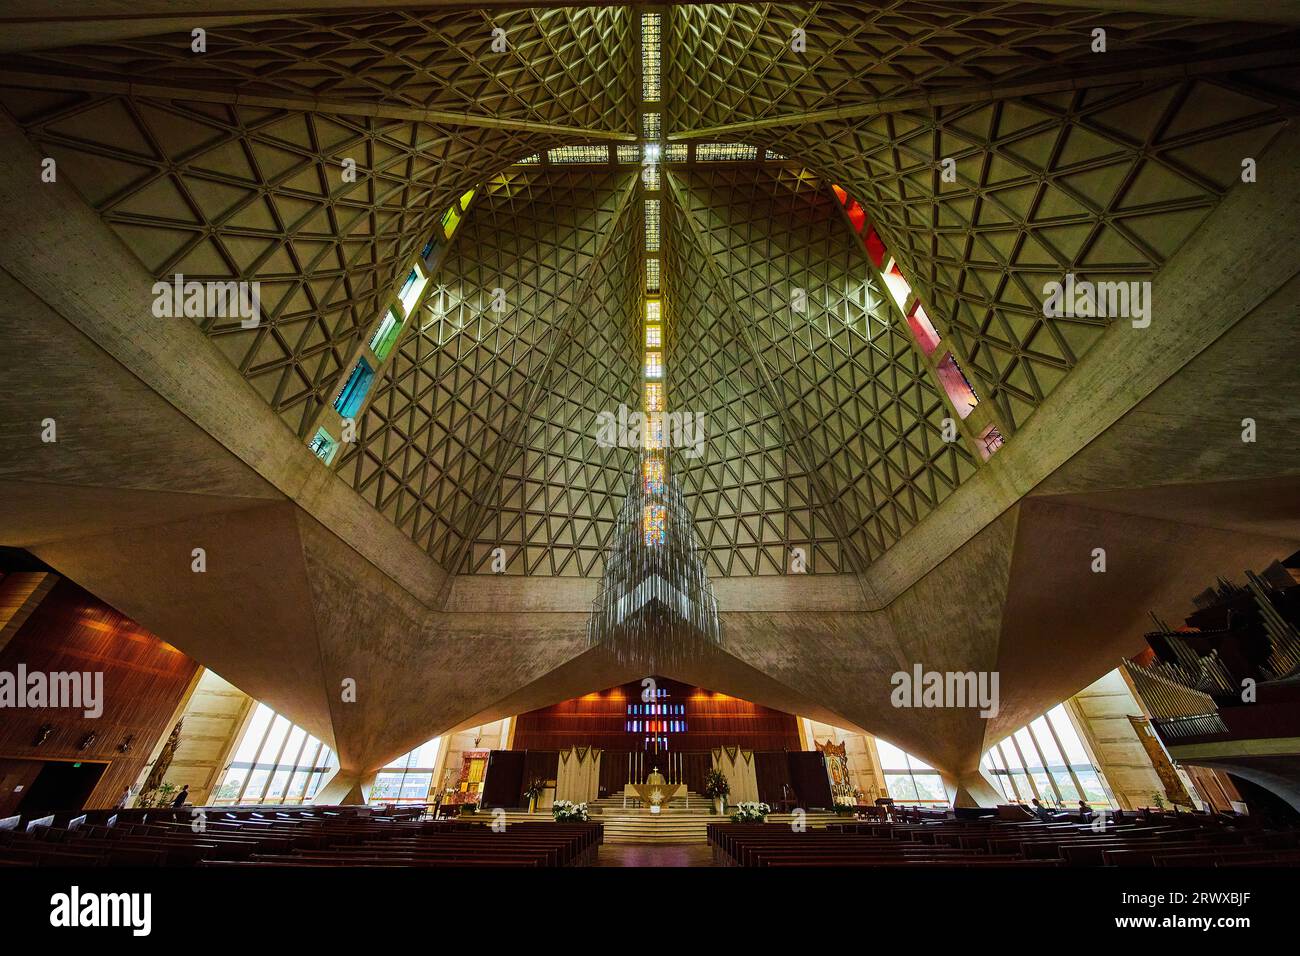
(1058, 82)
(45, 24)
(48, 239)
(312, 104)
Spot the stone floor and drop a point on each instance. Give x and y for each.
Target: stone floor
(687, 854)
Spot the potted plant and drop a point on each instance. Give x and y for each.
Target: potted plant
(716, 789)
(750, 813)
(566, 811)
(160, 796)
(534, 793)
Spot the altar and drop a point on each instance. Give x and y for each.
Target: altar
(654, 795)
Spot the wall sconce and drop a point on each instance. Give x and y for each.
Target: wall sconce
(43, 734)
(125, 746)
(87, 740)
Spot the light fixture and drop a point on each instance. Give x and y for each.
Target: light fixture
(655, 606)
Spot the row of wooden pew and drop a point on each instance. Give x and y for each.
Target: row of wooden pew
(989, 842)
(339, 836)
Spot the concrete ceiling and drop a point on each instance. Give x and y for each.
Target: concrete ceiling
(175, 434)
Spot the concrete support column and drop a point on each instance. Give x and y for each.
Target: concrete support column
(346, 788)
(973, 790)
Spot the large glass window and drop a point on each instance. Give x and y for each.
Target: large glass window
(408, 778)
(275, 762)
(1047, 759)
(909, 779)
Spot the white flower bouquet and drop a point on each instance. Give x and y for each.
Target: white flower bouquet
(566, 811)
(750, 813)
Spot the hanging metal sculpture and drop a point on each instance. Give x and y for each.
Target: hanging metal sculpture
(655, 606)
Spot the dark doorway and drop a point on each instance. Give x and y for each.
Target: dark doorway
(61, 786)
(16, 778)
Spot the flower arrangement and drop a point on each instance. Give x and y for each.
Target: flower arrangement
(715, 784)
(750, 813)
(534, 792)
(566, 811)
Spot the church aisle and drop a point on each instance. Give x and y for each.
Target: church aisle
(686, 854)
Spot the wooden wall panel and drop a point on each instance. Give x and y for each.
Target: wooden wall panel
(600, 720)
(144, 681)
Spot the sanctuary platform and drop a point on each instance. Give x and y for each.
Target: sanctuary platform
(686, 821)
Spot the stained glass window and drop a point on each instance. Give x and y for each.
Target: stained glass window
(654, 431)
(450, 220)
(381, 343)
(323, 446)
(655, 524)
(654, 365)
(957, 385)
(354, 392)
(923, 329)
(653, 336)
(652, 472)
(990, 441)
(411, 289)
(654, 396)
(899, 287)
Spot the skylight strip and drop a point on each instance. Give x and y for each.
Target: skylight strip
(652, 225)
(650, 54)
(571, 155)
(724, 152)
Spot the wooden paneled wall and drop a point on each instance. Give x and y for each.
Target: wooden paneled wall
(145, 680)
(712, 720)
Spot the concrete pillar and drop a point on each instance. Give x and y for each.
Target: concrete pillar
(346, 788)
(974, 790)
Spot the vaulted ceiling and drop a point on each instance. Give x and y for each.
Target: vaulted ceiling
(823, 423)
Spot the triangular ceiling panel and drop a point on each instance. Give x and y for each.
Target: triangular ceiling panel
(474, 384)
(843, 393)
